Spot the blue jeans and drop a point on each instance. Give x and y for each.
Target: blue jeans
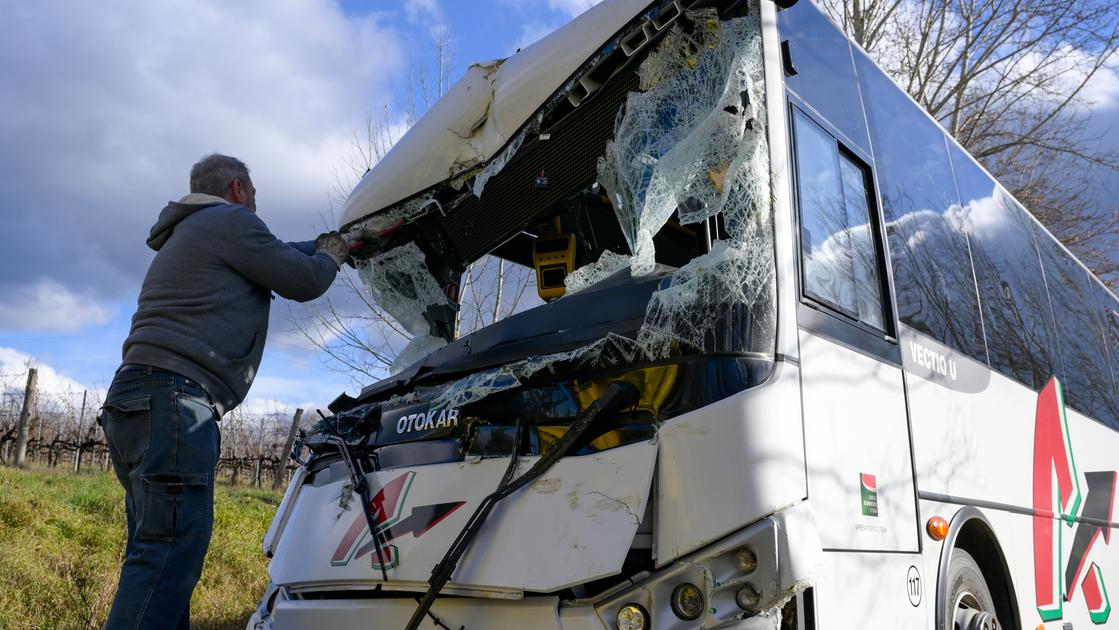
(164, 442)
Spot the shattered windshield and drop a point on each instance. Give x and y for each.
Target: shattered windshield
(661, 178)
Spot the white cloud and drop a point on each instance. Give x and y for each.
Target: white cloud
(538, 21)
(572, 7)
(422, 10)
(430, 13)
(47, 305)
(282, 394)
(1102, 90)
(108, 104)
(1099, 92)
(532, 32)
(268, 406)
(289, 336)
(270, 394)
(13, 376)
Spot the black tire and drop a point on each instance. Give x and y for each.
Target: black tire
(967, 595)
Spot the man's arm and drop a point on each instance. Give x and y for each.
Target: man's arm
(254, 252)
(307, 247)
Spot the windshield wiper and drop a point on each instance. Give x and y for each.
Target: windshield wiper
(619, 395)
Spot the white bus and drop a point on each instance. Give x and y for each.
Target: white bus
(800, 362)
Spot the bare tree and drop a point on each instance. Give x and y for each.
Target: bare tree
(1008, 79)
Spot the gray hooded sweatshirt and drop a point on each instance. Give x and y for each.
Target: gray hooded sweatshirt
(203, 308)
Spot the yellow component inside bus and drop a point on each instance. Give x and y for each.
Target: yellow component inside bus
(656, 385)
(554, 259)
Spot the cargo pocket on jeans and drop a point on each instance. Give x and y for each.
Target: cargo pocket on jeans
(127, 425)
(176, 506)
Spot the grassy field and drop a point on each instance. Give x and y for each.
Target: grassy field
(62, 541)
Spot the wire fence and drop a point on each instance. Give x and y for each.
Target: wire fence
(63, 432)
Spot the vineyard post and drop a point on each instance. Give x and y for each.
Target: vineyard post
(25, 417)
(259, 453)
(282, 466)
(78, 451)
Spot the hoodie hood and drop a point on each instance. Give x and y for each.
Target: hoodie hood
(176, 211)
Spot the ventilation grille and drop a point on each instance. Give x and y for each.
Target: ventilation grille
(513, 200)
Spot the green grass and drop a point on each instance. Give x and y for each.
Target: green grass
(62, 541)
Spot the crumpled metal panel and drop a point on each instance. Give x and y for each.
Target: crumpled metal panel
(482, 112)
(362, 614)
(573, 525)
(728, 464)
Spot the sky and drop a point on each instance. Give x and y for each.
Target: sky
(106, 105)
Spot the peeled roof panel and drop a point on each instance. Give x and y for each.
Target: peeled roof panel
(490, 103)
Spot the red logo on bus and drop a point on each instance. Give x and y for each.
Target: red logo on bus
(388, 509)
(1057, 504)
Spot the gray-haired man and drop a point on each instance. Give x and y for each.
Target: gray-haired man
(196, 343)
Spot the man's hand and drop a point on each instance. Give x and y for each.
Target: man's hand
(334, 246)
(367, 244)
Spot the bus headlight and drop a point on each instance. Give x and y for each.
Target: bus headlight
(632, 617)
(747, 597)
(717, 586)
(745, 560)
(687, 601)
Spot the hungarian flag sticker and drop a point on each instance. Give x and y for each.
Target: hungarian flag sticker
(869, 494)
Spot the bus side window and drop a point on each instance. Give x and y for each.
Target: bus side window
(1108, 309)
(825, 76)
(933, 281)
(839, 259)
(1084, 371)
(1016, 314)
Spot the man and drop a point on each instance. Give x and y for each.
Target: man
(196, 342)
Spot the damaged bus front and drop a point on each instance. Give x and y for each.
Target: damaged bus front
(629, 454)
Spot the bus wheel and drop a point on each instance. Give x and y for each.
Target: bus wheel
(970, 601)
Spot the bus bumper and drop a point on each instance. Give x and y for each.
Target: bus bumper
(540, 613)
(767, 563)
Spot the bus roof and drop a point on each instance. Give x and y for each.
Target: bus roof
(952, 139)
(484, 110)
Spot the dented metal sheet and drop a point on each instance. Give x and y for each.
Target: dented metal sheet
(538, 613)
(484, 110)
(690, 144)
(741, 428)
(381, 223)
(578, 522)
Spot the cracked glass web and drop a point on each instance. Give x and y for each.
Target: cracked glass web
(693, 142)
(693, 139)
(607, 265)
(399, 282)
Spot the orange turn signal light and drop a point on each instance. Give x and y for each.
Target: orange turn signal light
(937, 528)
